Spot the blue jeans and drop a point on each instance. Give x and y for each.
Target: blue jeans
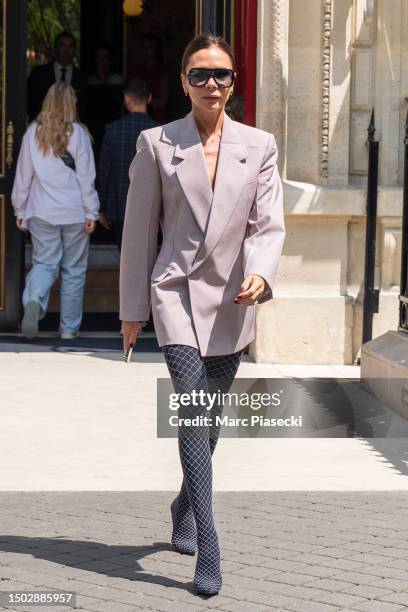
(58, 248)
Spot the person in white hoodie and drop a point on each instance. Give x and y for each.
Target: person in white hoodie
(54, 198)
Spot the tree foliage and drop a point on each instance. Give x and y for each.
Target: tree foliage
(46, 18)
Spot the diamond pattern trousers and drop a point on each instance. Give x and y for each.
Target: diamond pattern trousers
(193, 522)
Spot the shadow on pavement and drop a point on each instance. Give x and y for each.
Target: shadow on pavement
(115, 561)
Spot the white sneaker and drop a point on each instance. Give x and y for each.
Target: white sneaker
(69, 335)
(29, 324)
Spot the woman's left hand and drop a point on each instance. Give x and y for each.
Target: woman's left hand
(19, 223)
(252, 288)
(89, 226)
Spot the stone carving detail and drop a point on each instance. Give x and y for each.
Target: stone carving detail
(278, 37)
(325, 87)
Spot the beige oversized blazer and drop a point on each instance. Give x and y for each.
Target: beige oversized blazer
(211, 241)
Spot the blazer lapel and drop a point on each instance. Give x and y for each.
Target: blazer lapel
(192, 171)
(211, 211)
(230, 180)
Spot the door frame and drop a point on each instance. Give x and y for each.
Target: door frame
(13, 126)
(236, 21)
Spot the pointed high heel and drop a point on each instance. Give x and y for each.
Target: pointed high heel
(184, 535)
(207, 577)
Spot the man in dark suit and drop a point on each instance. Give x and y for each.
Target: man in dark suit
(116, 154)
(61, 69)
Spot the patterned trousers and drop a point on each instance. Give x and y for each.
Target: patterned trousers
(192, 514)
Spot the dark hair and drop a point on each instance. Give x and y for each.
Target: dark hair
(104, 46)
(137, 89)
(64, 34)
(205, 41)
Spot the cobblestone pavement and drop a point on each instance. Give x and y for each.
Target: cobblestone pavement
(306, 551)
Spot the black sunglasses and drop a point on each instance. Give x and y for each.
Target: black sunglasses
(199, 77)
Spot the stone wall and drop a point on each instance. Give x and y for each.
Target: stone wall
(320, 73)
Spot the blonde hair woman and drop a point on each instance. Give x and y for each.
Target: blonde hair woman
(55, 199)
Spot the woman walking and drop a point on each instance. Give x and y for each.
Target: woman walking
(55, 198)
(214, 187)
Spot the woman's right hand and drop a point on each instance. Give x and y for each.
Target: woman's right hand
(89, 226)
(131, 330)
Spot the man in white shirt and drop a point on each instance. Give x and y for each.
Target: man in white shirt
(63, 73)
(62, 68)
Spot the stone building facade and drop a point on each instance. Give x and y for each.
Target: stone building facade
(322, 66)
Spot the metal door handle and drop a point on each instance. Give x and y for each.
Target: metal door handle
(10, 144)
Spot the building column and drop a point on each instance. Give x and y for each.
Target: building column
(388, 99)
(335, 91)
(272, 72)
(304, 93)
(318, 96)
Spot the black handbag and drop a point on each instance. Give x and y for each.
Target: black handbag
(69, 160)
